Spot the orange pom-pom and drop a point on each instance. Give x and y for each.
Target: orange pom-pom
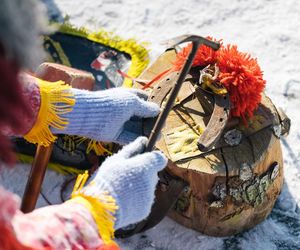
(243, 79)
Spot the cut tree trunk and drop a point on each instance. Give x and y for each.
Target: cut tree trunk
(232, 188)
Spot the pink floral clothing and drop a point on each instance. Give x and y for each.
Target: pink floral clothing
(68, 226)
(31, 93)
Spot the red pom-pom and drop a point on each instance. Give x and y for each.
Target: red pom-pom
(243, 79)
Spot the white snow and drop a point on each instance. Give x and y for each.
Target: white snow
(270, 31)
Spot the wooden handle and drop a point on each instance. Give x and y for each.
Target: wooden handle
(36, 178)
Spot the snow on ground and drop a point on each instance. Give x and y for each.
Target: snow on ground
(269, 30)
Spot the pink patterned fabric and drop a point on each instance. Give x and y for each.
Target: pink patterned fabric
(61, 227)
(9, 204)
(31, 93)
(68, 226)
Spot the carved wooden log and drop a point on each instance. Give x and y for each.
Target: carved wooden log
(233, 186)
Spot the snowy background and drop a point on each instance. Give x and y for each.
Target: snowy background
(270, 31)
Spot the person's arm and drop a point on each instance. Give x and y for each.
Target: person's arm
(120, 193)
(66, 226)
(56, 108)
(30, 91)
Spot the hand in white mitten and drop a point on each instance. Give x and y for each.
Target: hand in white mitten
(130, 177)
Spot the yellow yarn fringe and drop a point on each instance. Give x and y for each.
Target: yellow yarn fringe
(139, 54)
(102, 208)
(55, 101)
(70, 142)
(98, 148)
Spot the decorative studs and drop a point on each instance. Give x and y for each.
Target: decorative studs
(233, 137)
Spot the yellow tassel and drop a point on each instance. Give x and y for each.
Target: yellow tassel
(98, 148)
(80, 182)
(102, 208)
(55, 101)
(93, 145)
